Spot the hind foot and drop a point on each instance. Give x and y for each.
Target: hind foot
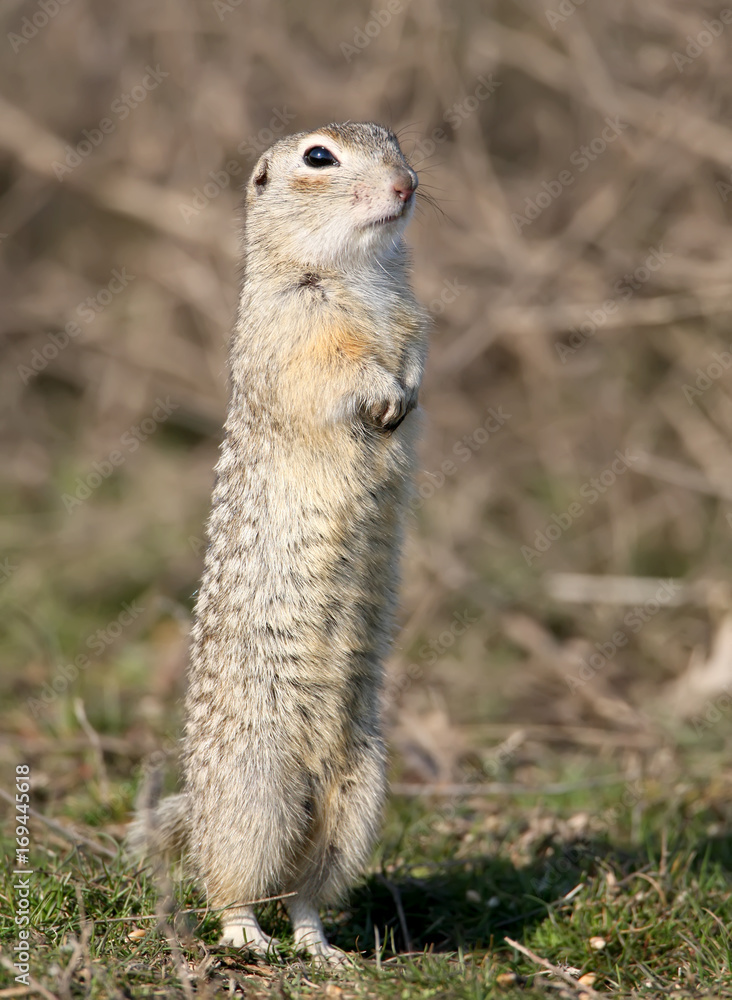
(242, 930)
(310, 937)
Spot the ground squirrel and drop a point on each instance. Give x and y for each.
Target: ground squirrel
(284, 755)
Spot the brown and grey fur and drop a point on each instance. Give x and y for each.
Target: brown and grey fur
(284, 754)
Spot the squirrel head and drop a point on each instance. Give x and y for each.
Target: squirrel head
(337, 197)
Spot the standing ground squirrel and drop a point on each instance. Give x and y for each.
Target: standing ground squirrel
(284, 755)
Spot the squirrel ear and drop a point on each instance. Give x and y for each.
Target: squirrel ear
(260, 176)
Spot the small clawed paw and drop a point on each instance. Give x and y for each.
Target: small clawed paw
(386, 414)
(263, 947)
(329, 956)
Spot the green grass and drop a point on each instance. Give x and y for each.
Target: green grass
(641, 866)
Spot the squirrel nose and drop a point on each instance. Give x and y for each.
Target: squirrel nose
(405, 185)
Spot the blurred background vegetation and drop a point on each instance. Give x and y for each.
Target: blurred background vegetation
(576, 262)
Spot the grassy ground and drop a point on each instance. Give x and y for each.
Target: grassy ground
(623, 879)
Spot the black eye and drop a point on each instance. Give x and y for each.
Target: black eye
(319, 156)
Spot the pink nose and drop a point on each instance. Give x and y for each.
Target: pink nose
(405, 185)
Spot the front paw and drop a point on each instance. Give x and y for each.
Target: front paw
(387, 412)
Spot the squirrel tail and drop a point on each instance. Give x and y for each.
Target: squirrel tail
(160, 829)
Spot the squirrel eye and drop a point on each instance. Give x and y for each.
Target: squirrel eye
(319, 156)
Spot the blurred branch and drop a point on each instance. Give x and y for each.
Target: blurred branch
(666, 121)
(36, 149)
(583, 588)
(677, 474)
(561, 317)
(502, 788)
(71, 836)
